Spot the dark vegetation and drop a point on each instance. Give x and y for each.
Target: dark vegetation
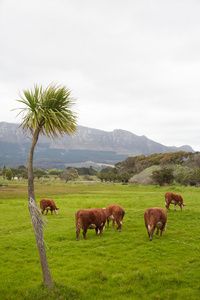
(180, 167)
(164, 168)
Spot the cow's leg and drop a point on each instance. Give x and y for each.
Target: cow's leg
(119, 224)
(167, 205)
(108, 221)
(84, 233)
(113, 223)
(161, 230)
(101, 229)
(46, 211)
(96, 229)
(164, 227)
(175, 207)
(77, 233)
(157, 232)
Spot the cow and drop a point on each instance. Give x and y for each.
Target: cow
(155, 217)
(48, 204)
(175, 199)
(116, 213)
(93, 218)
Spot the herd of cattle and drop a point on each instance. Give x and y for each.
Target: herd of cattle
(95, 218)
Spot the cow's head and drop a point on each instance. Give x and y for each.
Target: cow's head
(111, 217)
(56, 210)
(182, 206)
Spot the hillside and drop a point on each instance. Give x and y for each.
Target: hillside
(87, 144)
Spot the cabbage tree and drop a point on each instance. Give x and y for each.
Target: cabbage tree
(45, 112)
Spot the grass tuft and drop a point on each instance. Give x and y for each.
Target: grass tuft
(58, 291)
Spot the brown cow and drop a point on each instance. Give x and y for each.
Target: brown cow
(48, 204)
(116, 213)
(93, 218)
(174, 199)
(155, 217)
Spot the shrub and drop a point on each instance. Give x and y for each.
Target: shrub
(9, 174)
(163, 176)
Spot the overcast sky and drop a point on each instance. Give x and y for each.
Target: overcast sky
(131, 64)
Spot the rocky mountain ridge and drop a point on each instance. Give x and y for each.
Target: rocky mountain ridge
(91, 144)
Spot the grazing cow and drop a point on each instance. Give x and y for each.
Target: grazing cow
(116, 213)
(48, 204)
(93, 218)
(155, 217)
(174, 199)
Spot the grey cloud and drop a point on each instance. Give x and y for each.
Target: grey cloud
(135, 64)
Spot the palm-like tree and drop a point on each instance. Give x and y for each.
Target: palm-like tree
(48, 112)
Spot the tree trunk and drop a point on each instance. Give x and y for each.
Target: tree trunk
(37, 221)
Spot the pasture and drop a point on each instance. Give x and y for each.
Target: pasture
(123, 265)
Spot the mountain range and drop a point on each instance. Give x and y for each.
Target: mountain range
(88, 147)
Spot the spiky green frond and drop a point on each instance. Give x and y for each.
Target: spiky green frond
(50, 109)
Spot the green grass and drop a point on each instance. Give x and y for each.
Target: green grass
(123, 265)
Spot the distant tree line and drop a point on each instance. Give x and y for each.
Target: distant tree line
(113, 175)
(68, 174)
(108, 174)
(175, 167)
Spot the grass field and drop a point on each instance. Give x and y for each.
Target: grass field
(123, 265)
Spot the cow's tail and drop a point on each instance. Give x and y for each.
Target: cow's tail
(78, 226)
(150, 231)
(149, 226)
(79, 222)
